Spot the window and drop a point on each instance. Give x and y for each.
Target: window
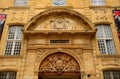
(111, 74)
(59, 41)
(98, 2)
(105, 39)
(59, 2)
(20, 2)
(14, 39)
(7, 75)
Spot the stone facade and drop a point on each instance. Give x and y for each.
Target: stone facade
(74, 23)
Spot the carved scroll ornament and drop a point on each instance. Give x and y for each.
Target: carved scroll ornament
(59, 62)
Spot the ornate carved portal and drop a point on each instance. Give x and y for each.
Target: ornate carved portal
(59, 64)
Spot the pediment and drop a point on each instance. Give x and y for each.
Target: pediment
(64, 20)
(59, 62)
(59, 23)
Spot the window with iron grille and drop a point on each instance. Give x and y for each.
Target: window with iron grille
(14, 39)
(7, 75)
(111, 74)
(20, 2)
(98, 2)
(105, 39)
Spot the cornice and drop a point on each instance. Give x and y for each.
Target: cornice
(11, 56)
(60, 32)
(104, 6)
(18, 7)
(59, 7)
(65, 46)
(53, 12)
(15, 23)
(108, 56)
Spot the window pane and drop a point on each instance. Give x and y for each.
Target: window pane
(19, 33)
(101, 45)
(11, 33)
(99, 31)
(9, 47)
(107, 75)
(17, 47)
(115, 75)
(98, 2)
(15, 32)
(110, 46)
(7, 75)
(20, 2)
(105, 39)
(3, 75)
(108, 32)
(111, 74)
(59, 2)
(13, 44)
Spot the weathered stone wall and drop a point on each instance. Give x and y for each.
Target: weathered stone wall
(36, 46)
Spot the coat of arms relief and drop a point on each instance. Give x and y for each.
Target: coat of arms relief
(59, 23)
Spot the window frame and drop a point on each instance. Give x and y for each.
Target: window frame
(8, 74)
(62, 1)
(14, 40)
(20, 2)
(98, 2)
(111, 74)
(105, 39)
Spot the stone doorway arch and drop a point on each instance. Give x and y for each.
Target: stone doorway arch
(59, 66)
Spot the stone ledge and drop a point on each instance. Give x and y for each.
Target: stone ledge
(19, 7)
(108, 56)
(69, 46)
(104, 6)
(10, 56)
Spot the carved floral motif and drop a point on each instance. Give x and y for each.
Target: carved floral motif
(18, 15)
(59, 62)
(100, 14)
(59, 23)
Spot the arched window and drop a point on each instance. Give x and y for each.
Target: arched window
(111, 74)
(7, 75)
(13, 45)
(105, 39)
